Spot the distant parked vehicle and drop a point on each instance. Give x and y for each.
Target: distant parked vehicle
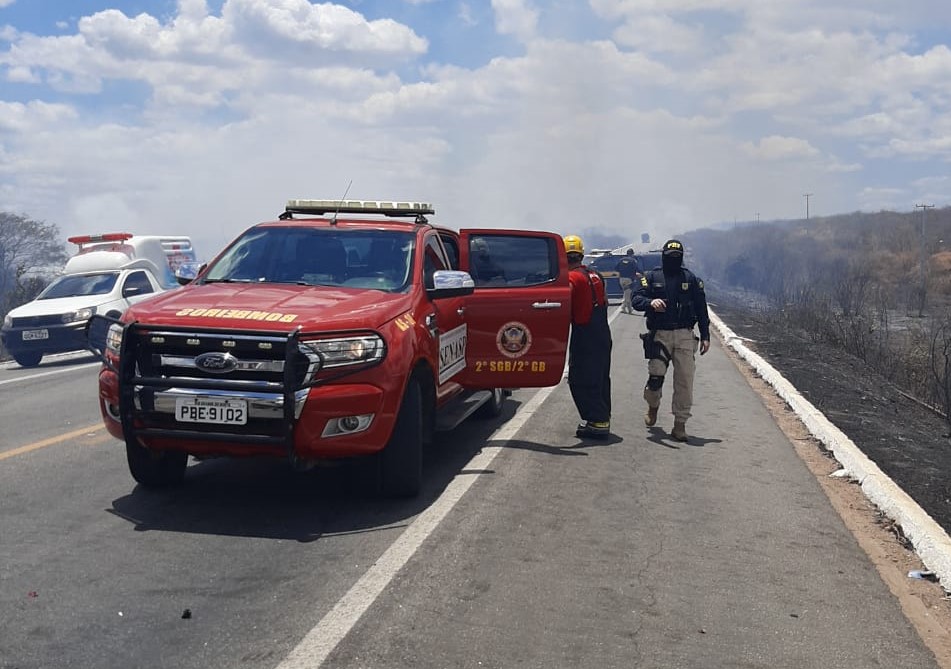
(605, 264)
(107, 274)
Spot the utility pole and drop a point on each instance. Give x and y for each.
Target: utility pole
(921, 261)
(757, 218)
(807, 196)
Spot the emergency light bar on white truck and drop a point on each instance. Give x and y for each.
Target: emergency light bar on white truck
(81, 240)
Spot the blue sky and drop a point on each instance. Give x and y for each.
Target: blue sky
(202, 118)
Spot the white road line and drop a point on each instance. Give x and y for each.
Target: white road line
(317, 645)
(49, 373)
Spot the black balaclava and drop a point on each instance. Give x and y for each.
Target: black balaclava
(672, 262)
(672, 256)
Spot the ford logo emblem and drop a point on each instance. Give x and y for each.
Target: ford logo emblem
(216, 363)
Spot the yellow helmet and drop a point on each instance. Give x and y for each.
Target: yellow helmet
(573, 244)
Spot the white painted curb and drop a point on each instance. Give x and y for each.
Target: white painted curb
(931, 542)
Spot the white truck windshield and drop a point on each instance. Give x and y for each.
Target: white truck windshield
(72, 285)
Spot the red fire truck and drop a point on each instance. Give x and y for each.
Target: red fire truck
(339, 330)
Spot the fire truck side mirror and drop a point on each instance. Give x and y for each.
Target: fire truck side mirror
(450, 283)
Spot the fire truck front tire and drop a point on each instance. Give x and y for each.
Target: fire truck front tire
(155, 469)
(28, 359)
(401, 462)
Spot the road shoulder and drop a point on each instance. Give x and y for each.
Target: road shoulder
(924, 603)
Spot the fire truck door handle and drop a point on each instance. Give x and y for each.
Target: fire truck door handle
(461, 311)
(546, 305)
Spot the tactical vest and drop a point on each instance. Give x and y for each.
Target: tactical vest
(681, 311)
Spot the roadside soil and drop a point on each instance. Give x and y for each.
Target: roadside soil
(908, 441)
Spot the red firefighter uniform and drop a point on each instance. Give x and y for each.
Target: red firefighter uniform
(589, 362)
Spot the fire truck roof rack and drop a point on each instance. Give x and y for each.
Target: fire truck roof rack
(419, 210)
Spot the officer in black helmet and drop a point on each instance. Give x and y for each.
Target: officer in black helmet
(674, 301)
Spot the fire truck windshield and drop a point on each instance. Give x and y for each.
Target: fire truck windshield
(358, 258)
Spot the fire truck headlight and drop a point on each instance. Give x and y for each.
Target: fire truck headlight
(342, 351)
(8, 321)
(79, 315)
(114, 338)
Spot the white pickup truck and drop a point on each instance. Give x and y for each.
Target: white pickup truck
(108, 273)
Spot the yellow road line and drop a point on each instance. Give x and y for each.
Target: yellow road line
(51, 441)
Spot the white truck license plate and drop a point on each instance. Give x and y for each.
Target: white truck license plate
(214, 410)
(32, 335)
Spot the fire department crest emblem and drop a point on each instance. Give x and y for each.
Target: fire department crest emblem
(514, 339)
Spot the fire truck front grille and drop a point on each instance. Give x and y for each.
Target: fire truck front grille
(162, 368)
(257, 361)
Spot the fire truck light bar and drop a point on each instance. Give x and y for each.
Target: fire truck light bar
(320, 207)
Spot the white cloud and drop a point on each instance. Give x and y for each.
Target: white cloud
(645, 132)
(515, 17)
(211, 53)
(34, 116)
(22, 75)
(873, 198)
(660, 33)
(780, 148)
(465, 14)
(834, 166)
(320, 29)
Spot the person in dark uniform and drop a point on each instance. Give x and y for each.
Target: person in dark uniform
(627, 273)
(674, 301)
(589, 348)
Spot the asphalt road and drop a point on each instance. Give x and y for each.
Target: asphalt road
(528, 547)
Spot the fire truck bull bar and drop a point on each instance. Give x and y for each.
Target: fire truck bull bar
(133, 337)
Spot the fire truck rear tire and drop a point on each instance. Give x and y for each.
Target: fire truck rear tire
(155, 469)
(401, 462)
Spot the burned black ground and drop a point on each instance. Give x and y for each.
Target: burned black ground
(907, 440)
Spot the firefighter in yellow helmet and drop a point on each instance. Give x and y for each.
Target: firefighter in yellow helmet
(589, 348)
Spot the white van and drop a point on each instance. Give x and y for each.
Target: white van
(107, 274)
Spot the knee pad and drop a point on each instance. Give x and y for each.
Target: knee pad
(655, 382)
